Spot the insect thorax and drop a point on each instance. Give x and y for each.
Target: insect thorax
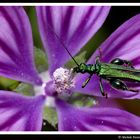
(85, 68)
(90, 68)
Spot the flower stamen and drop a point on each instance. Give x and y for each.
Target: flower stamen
(63, 80)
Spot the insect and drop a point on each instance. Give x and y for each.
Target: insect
(114, 72)
(117, 72)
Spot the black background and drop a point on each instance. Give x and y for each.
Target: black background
(119, 14)
(68, 136)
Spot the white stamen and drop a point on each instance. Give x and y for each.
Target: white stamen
(63, 81)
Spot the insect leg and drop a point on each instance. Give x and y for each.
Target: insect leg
(97, 60)
(118, 84)
(100, 53)
(119, 61)
(99, 57)
(102, 89)
(133, 90)
(87, 80)
(128, 63)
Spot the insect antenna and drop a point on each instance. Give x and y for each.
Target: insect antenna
(64, 46)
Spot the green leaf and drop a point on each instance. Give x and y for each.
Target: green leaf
(40, 60)
(51, 116)
(25, 89)
(8, 84)
(81, 100)
(34, 24)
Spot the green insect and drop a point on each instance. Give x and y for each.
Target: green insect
(117, 72)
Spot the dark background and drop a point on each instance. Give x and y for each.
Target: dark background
(120, 14)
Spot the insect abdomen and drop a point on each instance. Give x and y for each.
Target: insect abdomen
(119, 75)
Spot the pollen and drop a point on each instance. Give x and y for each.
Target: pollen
(63, 80)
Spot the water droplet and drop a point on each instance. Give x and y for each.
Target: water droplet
(65, 119)
(95, 102)
(44, 123)
(22, 74)
(53, 55)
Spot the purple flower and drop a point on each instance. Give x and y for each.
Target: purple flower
(75, 26)
(123, 44)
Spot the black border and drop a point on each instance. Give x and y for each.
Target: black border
(68, 136)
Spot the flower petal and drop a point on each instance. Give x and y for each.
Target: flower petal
(95, 119)
(110, 102)
(20, 113)
(16, 46)
(124, 44)
(74, 26)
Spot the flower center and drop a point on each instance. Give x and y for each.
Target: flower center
(63, 80)
(61, 83)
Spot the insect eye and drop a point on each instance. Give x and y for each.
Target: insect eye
(76, 69)
(82, 71)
